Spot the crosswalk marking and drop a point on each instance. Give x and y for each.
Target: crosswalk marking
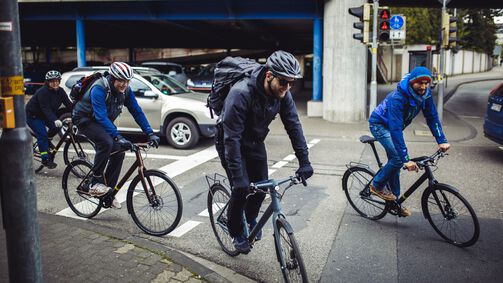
(184, 228)
(215, 207)
(130, 154)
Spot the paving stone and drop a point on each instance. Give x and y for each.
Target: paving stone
(165, 276)
(183, 275)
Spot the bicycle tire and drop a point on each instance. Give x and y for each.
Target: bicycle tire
(160, 211)
(81, 203)
(36, 157)
(288, 253)
(355, 184)
(82, 149)
(218, 199)
(454, 205)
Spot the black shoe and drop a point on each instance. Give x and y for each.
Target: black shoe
(241, 244)
(49, 163)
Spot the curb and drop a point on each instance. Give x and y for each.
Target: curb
(189, 261)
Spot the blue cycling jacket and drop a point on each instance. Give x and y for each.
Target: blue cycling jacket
(398, 110)
(96, 105)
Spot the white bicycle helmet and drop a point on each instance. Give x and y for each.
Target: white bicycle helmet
(52, 75)
(121, 71)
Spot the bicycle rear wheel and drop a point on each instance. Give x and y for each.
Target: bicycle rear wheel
(451, 215)
(76, 187)
(355, 184)
(157, 208)
(82, 148)
(218, 199)
(288, 253)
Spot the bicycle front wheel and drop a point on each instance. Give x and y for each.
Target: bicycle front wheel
(76, 189)
(218, 200)
(288, 253)
(157, 205)
(355, 183)
(451, 215)
(82, 148)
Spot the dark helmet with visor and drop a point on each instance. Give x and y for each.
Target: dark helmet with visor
(284, 64)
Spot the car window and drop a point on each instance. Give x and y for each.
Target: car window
(138, 87)
(72, 80)
(166, 84)
(207, 71)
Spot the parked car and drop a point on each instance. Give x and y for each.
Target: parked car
(203, 80)
(172, 110)
(173, 70)
(493, 122)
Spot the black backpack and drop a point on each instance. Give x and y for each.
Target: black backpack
(227, 72)
(84, 83)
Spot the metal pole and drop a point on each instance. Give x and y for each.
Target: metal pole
(81, 42)
(373, 82)
(17, 189)
(441, 87)
(317, 56)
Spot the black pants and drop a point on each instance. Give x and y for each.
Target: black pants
(104, 145)
(255, 169)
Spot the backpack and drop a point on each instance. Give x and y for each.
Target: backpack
(84, 83)
(227, 72)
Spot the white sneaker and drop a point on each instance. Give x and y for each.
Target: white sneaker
(116, 204)
(98, 190)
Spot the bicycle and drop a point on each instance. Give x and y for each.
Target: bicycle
(76, 146)
(287, 250)
(153, 199)
(443, 206)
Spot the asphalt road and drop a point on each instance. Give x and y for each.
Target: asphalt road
(337, 244)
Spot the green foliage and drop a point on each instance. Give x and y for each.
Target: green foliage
(476, 27)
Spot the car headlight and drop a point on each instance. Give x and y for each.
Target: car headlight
(190, 83)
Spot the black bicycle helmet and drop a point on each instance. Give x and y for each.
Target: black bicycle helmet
(284, 64)
(53, 75)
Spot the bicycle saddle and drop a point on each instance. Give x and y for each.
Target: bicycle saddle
(367, 139)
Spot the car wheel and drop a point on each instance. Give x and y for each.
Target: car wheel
(182, 133)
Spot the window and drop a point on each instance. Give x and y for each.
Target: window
(138, 87)
(72, 80)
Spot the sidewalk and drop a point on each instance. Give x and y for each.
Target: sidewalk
(78, 251)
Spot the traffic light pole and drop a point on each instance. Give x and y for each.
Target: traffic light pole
(441, 85)
(373, 81)
(17, 189)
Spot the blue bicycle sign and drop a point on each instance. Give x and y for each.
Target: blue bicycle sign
(397, 22)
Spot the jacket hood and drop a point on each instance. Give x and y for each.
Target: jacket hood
(405, 87)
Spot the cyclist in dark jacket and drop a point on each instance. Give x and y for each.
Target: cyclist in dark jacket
(94, 115)
(251, 105)
(41, 113)
(388, 121)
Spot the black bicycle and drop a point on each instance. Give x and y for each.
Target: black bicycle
(76, 146)
(153, 199)
(287, 250)
(448, 212)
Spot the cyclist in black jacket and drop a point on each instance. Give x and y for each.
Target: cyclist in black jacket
(41, 113)
(251, 105)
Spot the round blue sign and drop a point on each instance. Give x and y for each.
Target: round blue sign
(396, 22)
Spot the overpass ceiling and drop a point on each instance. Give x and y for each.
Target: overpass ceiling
(251, 24)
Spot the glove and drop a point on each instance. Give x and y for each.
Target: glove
(304, 172)
(240, 185)
(58, 123)
(154, 140)
(124, 143)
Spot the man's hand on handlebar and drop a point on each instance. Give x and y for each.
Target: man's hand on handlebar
(411, 166)
(444, 147)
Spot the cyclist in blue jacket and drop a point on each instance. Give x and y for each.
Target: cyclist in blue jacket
(250, 107)
(388, 121)
(41, 112)
(94, 115)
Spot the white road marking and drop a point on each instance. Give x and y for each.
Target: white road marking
(470, 117)
(500, 147)
(184, 228)
(280, 164)
(216, 208)
(173, 169)
(130, 154)
(290, 157)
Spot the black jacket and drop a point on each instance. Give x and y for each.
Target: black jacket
(246, 117)
(45, 103)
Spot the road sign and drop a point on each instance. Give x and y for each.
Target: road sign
(397, 34)
(397, 22)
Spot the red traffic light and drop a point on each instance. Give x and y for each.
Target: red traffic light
(384, 26)
(384, 14)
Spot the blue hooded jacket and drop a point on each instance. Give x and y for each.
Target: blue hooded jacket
(400, 107)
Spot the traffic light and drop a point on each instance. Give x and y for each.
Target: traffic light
(384, 25)
(449, 31)
(363, 14)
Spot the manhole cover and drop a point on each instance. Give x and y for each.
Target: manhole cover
(422, 133)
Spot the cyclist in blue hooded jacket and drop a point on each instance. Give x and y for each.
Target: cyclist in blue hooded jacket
(41, 112)
(387, 123)
(250, 107)
(94, 115)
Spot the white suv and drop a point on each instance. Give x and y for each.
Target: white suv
(172, 110)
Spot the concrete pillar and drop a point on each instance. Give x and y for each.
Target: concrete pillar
(81, 43)
(344, 65)
(315, 106)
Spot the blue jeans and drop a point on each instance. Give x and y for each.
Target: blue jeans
(390, 172)
(38, 128)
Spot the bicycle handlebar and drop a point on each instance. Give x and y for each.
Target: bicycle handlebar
(263, 186)
(425, 161)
